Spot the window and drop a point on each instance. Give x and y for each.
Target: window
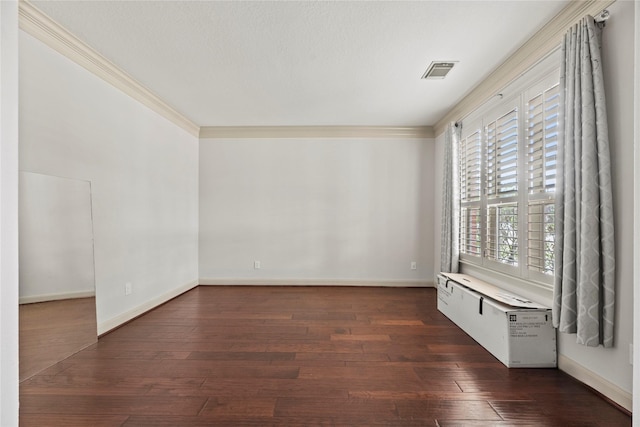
(470, 191)
(542, 150)
(501, 189)
(507, 165)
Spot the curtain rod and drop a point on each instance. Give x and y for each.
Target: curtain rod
(600, 19)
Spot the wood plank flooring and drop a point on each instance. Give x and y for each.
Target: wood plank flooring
(54, 330)
(299, 356)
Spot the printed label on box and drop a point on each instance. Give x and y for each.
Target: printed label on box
(523, 325)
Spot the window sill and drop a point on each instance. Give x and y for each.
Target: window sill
(539, 292)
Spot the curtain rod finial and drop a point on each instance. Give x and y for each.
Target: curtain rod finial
(602, 16)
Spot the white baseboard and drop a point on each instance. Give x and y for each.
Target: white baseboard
(56, 297)
(595, 381)
(114, 322)
(316, 282)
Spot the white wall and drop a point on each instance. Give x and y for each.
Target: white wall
(9, 213)
(143, 172)
(327, 210)
(608, 370)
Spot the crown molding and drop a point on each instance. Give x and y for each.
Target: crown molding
(535, 49)
(409, 132)
(39, 25)
(36, 23)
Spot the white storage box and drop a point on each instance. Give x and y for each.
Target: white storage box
(520, 337)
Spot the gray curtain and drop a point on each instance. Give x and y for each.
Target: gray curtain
(450, 201)
(585, 256)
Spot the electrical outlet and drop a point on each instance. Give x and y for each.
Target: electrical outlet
(128, 288)
(256, 265)
(414, 265)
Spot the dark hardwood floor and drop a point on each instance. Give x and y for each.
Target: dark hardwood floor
(301, 356)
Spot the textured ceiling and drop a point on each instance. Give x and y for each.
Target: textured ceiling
(272, 63)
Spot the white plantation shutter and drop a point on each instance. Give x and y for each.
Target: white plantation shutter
(502, 233)
(542, 150)
(470, 157)
(542, 140)
(470, 235)
(501, 188)
(541, 237)
(502, 156)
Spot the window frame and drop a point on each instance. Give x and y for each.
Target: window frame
(518, 94)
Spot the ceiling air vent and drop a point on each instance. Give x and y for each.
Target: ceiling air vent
(438, 70)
